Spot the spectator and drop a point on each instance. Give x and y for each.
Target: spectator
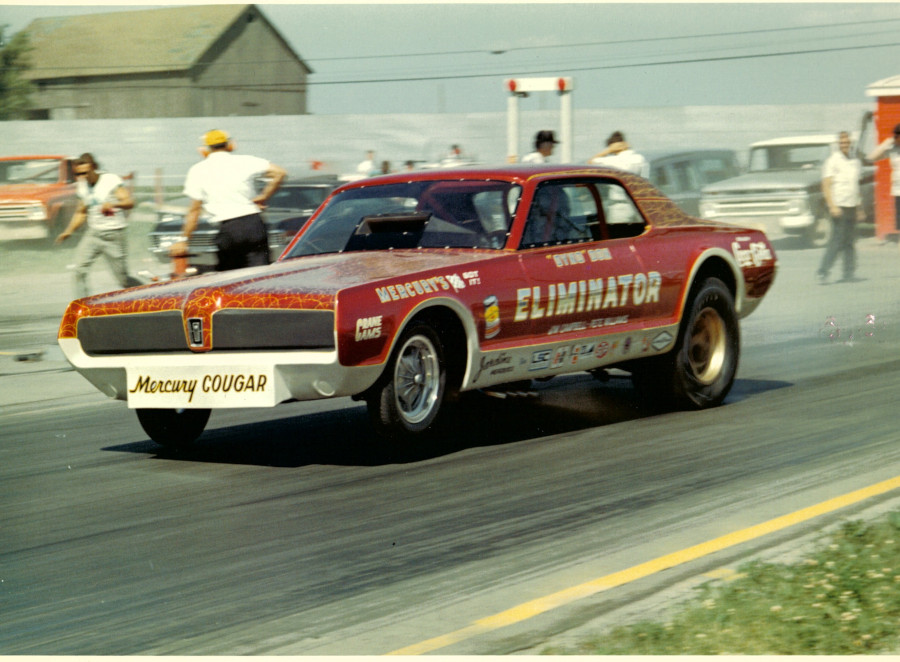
(102, 201)
(618, 154)
(366, 167)
(840, 186)
(544, 141)
(890, 148)
(224, 184)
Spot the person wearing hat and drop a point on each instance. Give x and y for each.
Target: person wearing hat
(890, 148)
(543, 147)
(223, 184)
(618, 154)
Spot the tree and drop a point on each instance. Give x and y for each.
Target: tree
(15, 89)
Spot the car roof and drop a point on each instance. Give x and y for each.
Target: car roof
(315, 180)
(659, 155)
(818, 139)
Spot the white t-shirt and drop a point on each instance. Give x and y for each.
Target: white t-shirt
(844, 173)
(627, 160)
(534, 157)
(223, 182)
(93, 197)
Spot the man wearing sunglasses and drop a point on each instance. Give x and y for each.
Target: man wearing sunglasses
(102, 200)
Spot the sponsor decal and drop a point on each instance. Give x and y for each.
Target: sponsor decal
(421, 287)
(580, 296)
(580, 351)
(626, 346)
(602, 350)
(755, 254)
(559, 357)
(472, 277)
(661, 341)
(491, 317)
(494, 365)
(540, 359)
(368, 328)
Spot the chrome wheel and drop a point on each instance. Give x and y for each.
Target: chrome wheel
(707, 346)
(417, 383)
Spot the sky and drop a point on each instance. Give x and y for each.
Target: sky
(453, 57)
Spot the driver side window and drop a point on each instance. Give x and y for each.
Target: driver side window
(561, 214)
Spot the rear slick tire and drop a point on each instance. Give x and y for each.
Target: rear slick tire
(700, 371)
(173, 428)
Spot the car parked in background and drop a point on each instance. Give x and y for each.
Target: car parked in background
(781, 192)
(291, 206)
(682, 174)
(37, 196)
(405, 290)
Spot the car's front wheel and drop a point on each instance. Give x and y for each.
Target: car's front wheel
(173, 428)
(700, 371)
(409, 397)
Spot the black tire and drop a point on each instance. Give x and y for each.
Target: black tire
(407, 400)
(700, 370)
(173, 428)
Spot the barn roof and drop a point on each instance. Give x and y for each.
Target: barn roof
(131, 42)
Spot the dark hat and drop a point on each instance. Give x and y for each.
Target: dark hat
(544, 137)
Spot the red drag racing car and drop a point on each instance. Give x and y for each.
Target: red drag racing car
(406, 289)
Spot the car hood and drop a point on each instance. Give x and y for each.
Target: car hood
(773, 180)
(305, 282)
(25, 191)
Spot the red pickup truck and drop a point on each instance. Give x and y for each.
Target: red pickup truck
(37, 196)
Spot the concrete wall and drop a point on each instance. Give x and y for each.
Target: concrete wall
(340, 141)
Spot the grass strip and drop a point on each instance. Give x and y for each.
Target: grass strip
(841, 599)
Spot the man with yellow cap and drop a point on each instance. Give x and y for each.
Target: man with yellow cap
(223, 184)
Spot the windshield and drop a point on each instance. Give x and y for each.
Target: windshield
(423, 214)
(788, 157)
(29, 171)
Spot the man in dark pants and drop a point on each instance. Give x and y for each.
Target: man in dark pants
(840, 186)
(223, 184)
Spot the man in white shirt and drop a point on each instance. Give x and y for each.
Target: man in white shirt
(223, 184)
(840, 186)
(102, 199)
(544, 141)
(618, 154)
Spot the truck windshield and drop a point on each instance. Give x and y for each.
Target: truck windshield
(29, 171)
(421, 214)
(788, 157)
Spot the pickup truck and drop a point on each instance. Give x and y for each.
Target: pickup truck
(781, 191)
(37, 196)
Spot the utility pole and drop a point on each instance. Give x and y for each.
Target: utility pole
(519, 88)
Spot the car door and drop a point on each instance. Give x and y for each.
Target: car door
(582, 275)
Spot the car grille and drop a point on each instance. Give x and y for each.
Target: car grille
(15, 212)
(232, 330)
(762, 206)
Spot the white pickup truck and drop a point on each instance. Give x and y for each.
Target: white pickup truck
(781, 192)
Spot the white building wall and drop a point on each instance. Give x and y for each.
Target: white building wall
(340, 141)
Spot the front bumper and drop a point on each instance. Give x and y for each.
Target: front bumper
(219, 380)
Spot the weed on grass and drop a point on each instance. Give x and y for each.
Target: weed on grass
(842, 599)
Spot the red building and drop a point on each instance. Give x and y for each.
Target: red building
(887, 116)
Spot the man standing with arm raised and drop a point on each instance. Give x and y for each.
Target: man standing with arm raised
(223, 184)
